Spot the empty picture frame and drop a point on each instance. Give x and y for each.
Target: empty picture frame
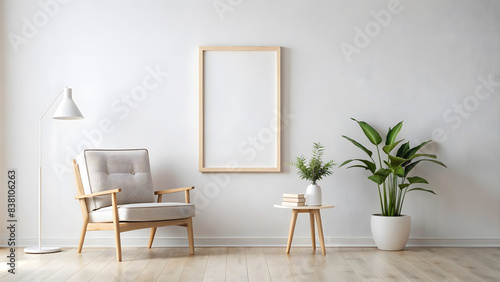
(240, 109)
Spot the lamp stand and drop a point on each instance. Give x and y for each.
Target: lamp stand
(66, 110)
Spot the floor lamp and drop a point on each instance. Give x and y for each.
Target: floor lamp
(66, 110)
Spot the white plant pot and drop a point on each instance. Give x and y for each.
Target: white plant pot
(313, 195)
(390, 233)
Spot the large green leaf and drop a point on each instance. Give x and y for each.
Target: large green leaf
(409, 167)
(396, 161)
(360, 166)
(393, 132)
(370, 132)
(377, 179)
(359, 146)
(413, 151)
(435, 161)
(423, 155)
(417, 179)
(400, 172)
(388, 148)
(380, 176)
(403, 165)
(403, 150)
(403, 186)
(422, 189)
(346, 162)
(369, 165)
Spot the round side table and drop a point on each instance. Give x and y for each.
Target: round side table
(313, 211)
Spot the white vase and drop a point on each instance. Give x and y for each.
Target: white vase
(313, 195)
(390, 233)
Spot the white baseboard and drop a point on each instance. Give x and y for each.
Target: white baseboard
(454, 242)
(253, 242)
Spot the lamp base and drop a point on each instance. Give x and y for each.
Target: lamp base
(41, 250)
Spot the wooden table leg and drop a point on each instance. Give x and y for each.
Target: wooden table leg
(313, 236)
(320, 232)
(292, 228)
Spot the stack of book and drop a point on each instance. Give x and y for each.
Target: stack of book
(293, 200)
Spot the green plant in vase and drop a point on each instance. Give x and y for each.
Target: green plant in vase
(390, 171)
(313, 171)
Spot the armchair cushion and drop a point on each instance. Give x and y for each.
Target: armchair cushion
(109, 169)
(144, 212)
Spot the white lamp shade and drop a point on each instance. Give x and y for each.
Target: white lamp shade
(67, 109)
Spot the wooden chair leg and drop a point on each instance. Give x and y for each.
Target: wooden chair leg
(151, 237)
(116, 223)
(82, 236)
(190, 235)
(118, 242)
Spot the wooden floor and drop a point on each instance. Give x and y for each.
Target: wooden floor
(257, 264)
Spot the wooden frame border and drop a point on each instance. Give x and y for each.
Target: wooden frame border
(202, 50)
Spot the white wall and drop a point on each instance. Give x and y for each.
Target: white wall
(421, 65)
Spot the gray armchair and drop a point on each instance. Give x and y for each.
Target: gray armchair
(115, 191)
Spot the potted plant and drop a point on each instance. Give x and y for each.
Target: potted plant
(390, 228)
(313, 171)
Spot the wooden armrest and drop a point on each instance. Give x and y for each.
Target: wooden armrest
(174, 190)
(102, 193)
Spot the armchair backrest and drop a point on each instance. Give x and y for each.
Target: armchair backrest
(110, 169)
